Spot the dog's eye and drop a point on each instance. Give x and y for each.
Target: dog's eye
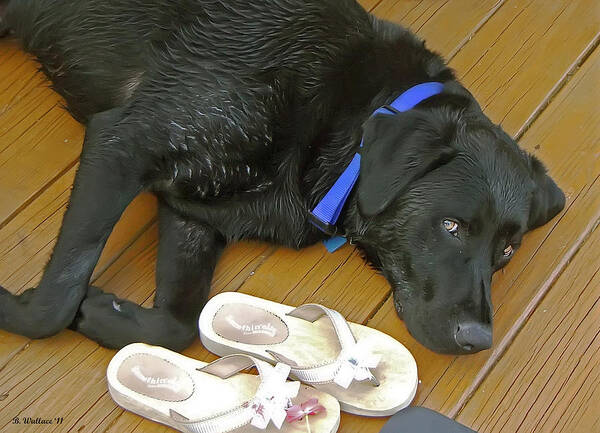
(508, 251)
(451, 226)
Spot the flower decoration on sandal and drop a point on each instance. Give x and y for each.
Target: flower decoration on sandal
(273, 398)
(300, 411)
(355, 364)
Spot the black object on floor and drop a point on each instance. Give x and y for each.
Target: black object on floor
(416, 419)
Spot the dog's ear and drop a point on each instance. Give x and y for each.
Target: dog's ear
(397, 150)
(547, 199)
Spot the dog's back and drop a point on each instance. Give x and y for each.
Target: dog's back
(92, 51)
(95, 52)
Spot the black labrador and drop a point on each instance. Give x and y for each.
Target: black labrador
(240, 115)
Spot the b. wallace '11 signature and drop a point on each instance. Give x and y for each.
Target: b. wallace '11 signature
(37, 420)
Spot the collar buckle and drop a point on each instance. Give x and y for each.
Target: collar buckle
(391, 109)
(330, 229)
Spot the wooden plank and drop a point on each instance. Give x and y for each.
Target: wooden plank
(445, 26)
(524, 53)
(555, 387)
(571, 118)
(335, 279)
(33, 128)
(26, 381)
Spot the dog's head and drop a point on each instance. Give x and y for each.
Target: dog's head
(443, 200)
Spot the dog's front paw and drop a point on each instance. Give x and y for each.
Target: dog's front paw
(87, 305)
(31, 314)
(101, 312)
(10, 301)
(5, 297)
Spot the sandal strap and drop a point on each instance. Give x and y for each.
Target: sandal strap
(354, 362)
(222, 423)
(270, 402)
(312, 312)
(230, 365)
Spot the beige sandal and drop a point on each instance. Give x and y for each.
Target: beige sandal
(369, 372)
(192, 396)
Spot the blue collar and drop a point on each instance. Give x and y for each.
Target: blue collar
(325, 215)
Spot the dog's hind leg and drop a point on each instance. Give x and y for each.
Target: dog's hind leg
(106, 182)
(187, 254)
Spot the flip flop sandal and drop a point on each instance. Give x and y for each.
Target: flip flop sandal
(369, 372)
(196, 397)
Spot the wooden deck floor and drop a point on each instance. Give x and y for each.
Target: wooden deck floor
(535, 68)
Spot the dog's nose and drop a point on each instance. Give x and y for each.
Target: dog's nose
(473, 336)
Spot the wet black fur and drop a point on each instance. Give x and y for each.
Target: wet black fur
(239, 115)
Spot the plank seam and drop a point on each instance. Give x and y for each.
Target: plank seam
(114, 421)
(65, 374)
(115, 409)
(377, 307)
(86, 412)
(262, 259)
(26, 130)
(432, 15)
(558, 86)
(27, 93)
(15, 354)
(323, 280)
(372, 8)
(540, 418)
(38, 193)
(55, 365)
(533, 356)
(438, 380)
(475, 29)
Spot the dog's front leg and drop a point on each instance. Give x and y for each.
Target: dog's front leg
(106, 182)
(187, 254)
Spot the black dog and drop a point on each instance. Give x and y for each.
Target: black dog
(239, 115)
